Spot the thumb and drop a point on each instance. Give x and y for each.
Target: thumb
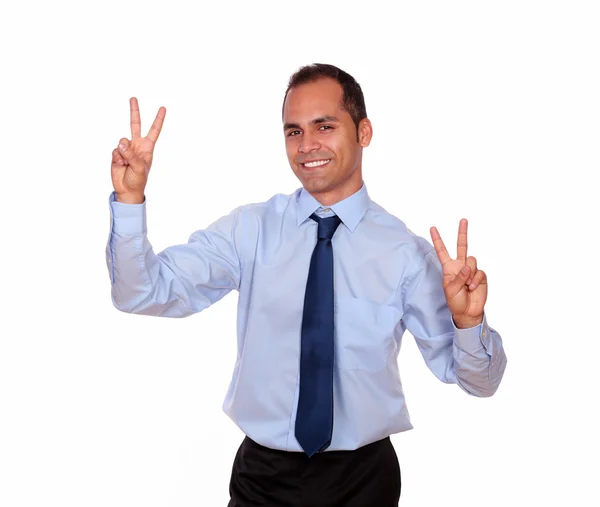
(129, 155)
(456, 285)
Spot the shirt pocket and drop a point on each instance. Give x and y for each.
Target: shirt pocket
(364, 334)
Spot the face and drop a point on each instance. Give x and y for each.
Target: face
(321, 141)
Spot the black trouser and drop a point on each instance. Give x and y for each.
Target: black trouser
(366, 477)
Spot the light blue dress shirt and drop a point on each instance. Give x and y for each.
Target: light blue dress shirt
(387, 280)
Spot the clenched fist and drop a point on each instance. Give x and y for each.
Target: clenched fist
(132, 159)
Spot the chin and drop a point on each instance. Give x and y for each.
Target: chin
(316, 185)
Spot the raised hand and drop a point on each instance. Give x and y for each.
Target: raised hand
(465, 286)
(132, 160)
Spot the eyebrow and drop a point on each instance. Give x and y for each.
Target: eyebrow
(316, 121)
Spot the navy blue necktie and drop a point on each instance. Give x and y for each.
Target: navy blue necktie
(314, 418)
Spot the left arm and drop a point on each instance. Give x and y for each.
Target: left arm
(444, 310)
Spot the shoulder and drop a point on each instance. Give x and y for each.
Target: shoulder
(252, 218)
(277, 203)
(398, 231)
(248, 217)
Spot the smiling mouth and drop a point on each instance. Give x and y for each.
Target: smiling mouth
(315, 163)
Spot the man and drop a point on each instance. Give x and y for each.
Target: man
(328, 282)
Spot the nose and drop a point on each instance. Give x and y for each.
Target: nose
(309, 143)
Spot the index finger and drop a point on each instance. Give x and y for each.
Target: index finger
(461, 246)
(136, 124)
(438, 244)
(154, 131)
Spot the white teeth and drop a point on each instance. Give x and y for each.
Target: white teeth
(317, 163)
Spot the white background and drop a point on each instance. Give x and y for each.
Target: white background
(484, 110)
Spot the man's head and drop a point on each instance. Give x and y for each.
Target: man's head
(326, 126)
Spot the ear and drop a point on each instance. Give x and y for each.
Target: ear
(365, 132)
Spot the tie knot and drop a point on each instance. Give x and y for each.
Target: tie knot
(327, 226)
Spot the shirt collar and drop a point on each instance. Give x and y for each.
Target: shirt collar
(350, 210)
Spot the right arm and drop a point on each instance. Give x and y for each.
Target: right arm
(180, 280)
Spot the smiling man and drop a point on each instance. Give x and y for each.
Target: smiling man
(328, 283)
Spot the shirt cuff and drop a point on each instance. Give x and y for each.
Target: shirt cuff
(127, 219)
(473, 338)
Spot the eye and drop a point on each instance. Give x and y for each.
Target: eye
(293, 133)
(325, 127)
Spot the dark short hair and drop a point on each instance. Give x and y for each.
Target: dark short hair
(353, 100)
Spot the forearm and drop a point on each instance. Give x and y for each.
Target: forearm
(140, 282)
(479, 359)
(182, 279)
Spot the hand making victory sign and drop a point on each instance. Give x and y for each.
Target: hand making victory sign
(465, 286)
(132, 160)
